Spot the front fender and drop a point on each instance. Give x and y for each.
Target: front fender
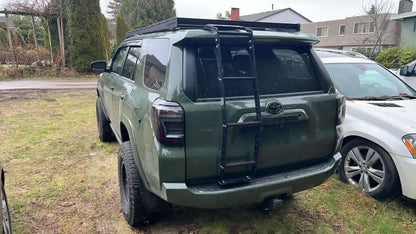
(389, 141)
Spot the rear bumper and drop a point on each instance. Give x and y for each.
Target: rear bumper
(212, 196)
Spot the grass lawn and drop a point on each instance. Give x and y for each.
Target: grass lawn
(61, 178)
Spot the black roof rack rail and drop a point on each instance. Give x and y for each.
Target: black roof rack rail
(175, 23)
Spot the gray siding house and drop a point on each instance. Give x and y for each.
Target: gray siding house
(408, 28)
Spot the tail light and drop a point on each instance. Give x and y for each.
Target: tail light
(168, 122)
(341, 105)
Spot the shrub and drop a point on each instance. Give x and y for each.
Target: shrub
(407, 55)
(394, 57)
(389, 57)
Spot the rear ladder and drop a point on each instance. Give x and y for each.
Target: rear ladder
(222, 30)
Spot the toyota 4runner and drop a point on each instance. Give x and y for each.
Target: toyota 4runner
(215, 113)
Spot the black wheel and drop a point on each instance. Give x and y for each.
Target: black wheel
(103, 124)
(140, 207)
(7, 224)
(370, 168)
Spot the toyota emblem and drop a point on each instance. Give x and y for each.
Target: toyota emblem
(274, 108)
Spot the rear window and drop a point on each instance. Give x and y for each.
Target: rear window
(279, 70)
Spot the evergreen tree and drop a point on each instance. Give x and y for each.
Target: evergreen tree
(106, 36)
(130, 12)
(152, 11)
(114, 7)
(122, 28)
(86, 33)
(140, 13)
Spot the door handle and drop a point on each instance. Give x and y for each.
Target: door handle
(122, 96)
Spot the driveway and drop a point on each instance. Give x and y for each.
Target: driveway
(47, 84)
(29, 89)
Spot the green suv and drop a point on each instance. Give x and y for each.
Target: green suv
(213, 114)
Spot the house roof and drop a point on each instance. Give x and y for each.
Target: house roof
(262, 15)
(403, 15)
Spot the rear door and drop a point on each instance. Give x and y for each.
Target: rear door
(298, 114)
(115, 72)
(123, 85)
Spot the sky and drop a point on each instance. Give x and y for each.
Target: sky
(314, 10)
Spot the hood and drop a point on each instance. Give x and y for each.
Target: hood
(400, 114)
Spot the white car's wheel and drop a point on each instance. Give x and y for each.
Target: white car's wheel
(369, 167)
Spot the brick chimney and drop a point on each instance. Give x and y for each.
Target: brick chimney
(235, 13)
(405, 6)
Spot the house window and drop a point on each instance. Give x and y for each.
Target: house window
(363, 27)
(322, 31)
(342, 30)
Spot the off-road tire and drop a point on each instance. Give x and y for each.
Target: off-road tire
(103, 124)
(7, 224)
(140, 207)
(391, 182)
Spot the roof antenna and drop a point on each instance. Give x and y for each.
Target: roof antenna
(272, 6)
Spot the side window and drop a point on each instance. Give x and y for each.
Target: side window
(131, 61)
(118, 61)
(157, 56)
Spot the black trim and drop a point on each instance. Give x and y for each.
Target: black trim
(176, 23)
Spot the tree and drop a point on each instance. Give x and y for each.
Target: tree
(140, 13)
(378, 13)
(24, 23)
(153, 11)
(129, 10)
(87, 36)
(122, 28)
(226, 15)
(114, 7)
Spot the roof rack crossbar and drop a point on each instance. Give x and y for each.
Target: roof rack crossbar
(176, 23)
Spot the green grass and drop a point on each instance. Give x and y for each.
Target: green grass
(61, 178)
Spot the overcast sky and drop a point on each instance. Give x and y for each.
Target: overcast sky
(315, 10)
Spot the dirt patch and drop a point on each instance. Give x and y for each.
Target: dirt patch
(7, 95)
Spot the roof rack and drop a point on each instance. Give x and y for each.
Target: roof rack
(176, 23)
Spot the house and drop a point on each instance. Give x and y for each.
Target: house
(360, 32)
(3, 22)
(408, 28)
(355, 32)
(287, 15)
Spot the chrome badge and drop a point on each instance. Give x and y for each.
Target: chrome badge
(274, 107)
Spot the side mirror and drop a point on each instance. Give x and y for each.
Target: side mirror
(99, 66)
(404, 71)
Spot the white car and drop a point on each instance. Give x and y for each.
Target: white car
(379, 148)
(408, 74)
